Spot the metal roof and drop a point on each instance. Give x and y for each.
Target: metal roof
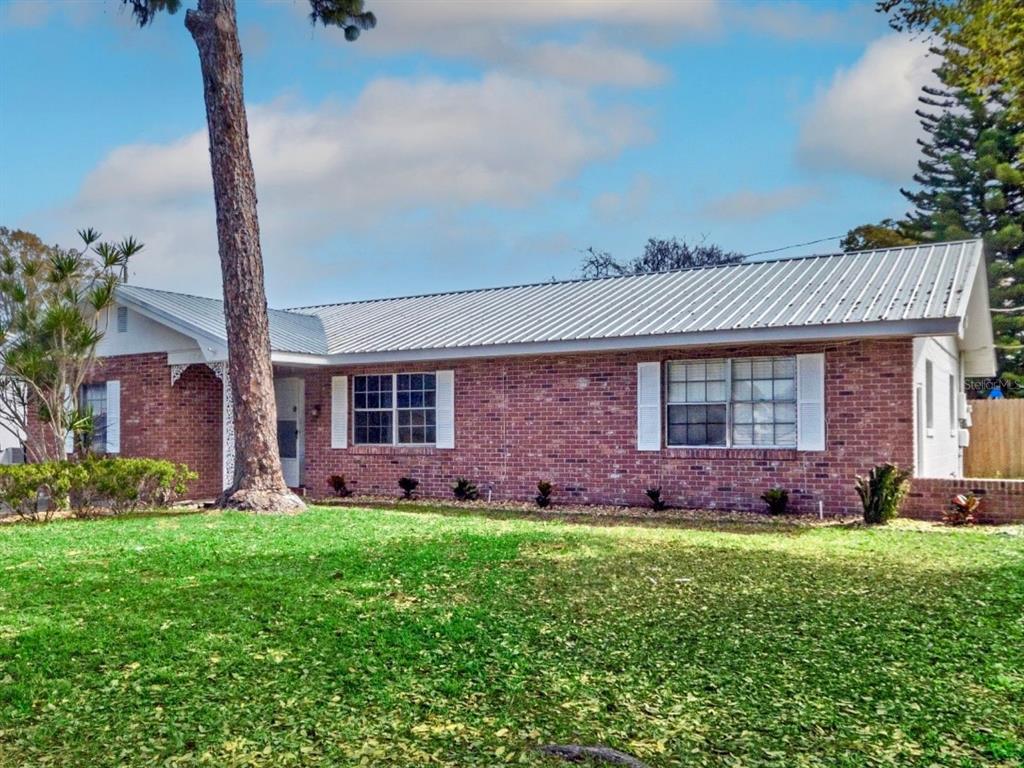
(289, 331)
(925, 282)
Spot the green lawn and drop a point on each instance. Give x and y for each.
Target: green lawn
(360, 637)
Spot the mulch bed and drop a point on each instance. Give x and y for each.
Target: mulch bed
(584, 512)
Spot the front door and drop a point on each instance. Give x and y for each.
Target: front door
(288, 394)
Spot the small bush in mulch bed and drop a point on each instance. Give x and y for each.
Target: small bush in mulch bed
(543, 497)
(777, 500)
(963, 510)
(882, 493)
(657, 503)
(339, 486)
(408, 486)
(464, 490)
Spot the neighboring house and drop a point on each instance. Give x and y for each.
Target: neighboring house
(713, 384)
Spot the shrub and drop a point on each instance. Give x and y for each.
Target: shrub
(657, 503)
(338, 485)
(543, 497)
(408, 486)
(962, 509)
(882, 492)
(91, 486)
(35, 491)
(465, 490)
(777, 500)
(124, 485)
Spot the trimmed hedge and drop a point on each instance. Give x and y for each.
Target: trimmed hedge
(92, 486)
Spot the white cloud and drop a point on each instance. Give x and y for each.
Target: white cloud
(864, 120)
(631, 201)
(755, 204)
(402, 146)
(566, 41)
(804, 21)
(588, 42)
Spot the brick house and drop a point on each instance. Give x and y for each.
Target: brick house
(713, 383)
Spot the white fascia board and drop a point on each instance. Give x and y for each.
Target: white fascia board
(193, 356)
(299, 359)
(975, 334)
(835, 332)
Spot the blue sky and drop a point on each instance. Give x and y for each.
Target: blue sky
(461, 144)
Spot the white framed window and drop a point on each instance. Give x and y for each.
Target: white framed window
(697, 402)
(953, 425)
(394, 409)
(929, 396)
(740, 402)
(93, 401)
(764, 401)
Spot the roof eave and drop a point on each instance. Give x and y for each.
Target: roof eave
(791, 334)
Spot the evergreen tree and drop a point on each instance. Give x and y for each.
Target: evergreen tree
(971, 184)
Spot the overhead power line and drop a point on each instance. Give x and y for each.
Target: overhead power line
(794, 245)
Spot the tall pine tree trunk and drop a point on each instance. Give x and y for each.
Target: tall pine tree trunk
(259, 484)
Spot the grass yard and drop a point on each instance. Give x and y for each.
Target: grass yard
(388, 638)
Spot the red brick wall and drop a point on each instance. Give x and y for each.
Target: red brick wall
(571, 419)
(180, 423)
(1002, 501)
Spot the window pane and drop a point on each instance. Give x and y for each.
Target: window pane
(716, 391)
(695, 392)
(785, 389)
(715, 370)
(676, 392)
(785, 435)
(763, 396)
(696, 434)
(764, 434)
(742, 413)
(716, 434)
(784, 367)
(743, 434)
(696, 425)
(372, 427)
(761, 368)
(762, 389)
(785, 412)
(677, 371)
(416, 398)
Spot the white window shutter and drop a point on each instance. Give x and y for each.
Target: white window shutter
(69, 438)
(810, 385)
(648, 406)
(339, 411)
(113, 416)
(445, 382)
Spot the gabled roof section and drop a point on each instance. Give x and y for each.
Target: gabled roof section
(927, 282)
(198, 315)
(900, 291)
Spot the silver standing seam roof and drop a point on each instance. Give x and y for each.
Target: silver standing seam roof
(916, 283)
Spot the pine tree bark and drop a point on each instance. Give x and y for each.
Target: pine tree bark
(259, 483)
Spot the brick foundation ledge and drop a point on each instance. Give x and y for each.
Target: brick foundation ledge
(1002, 500)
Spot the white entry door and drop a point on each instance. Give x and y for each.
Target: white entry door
(288, 393)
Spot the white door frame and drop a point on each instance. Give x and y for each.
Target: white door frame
(290, 398)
